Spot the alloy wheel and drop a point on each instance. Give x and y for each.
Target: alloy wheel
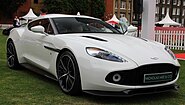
(11, 54)
(66, 72)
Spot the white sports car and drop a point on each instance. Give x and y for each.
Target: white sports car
(86, 54)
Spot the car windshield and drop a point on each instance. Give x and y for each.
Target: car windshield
(82, 25)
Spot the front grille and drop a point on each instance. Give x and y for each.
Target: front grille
(135, 76)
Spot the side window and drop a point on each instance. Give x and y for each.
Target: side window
(43, 22)
(32, 24)
(36, 1)
(46, 24)
(50, 29)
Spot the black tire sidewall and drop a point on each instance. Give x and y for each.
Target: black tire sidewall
(16, 62)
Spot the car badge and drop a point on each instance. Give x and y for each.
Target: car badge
(154, 58)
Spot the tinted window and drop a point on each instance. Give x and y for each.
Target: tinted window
(32, 24)
(43, 22)
(82, 25)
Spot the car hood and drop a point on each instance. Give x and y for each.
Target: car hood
(138, 50)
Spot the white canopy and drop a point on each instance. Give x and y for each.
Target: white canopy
(29, 15)
(168, 21)
(113, 20)
(78, 13)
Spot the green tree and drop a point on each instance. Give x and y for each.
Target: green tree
(94, 8)
(97, 8)
(67, 6)
(58, 6)
(9, 7)
(81, 6)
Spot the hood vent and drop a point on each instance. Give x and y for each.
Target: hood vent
(95, 38)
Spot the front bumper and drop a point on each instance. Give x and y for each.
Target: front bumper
(133, 92)
(93, 77)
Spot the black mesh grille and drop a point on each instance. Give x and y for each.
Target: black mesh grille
(136, 76)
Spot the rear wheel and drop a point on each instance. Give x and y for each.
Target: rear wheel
(12, 59)
(68, 73)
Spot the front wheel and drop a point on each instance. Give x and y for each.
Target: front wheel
(68, 73)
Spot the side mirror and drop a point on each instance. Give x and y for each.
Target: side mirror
(38, 29)
(131, 28)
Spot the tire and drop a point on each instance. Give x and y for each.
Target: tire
(12, 59)
(68, 74)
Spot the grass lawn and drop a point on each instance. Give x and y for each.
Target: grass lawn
(23, 87)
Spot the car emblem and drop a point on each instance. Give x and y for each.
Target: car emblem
(154, 58)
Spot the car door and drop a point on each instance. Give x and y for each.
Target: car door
(36, 44)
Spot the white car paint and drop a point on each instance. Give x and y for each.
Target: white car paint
(93, 71)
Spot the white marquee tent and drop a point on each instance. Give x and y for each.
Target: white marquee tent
(113, 20)
(78, 13)
(29, 15)
(167, 21)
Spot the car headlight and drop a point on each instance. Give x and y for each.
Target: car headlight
(170, 52)
(102, 54)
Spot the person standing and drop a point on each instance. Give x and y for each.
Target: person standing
(16, 22)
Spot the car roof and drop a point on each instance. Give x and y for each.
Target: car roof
(63, 15)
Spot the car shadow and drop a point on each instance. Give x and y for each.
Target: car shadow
(138, 99)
